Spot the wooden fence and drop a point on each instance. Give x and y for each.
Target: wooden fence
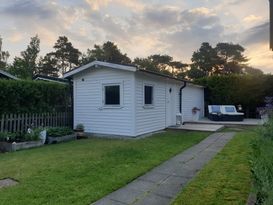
(21, 122)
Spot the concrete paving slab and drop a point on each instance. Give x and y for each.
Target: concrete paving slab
(153, 199)
(107, 201)
(125, 195)
(198, 127)
(141, 185)
(171, 186)
(154, 177)
(245, 122)
(162, 183)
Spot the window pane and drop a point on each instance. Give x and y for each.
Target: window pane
(148, 95)
(112, 95)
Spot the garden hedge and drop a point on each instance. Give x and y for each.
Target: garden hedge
(262, 165)
(247, 90)
(20, 96)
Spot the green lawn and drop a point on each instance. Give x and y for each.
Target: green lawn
(81, 172)
(224, 180)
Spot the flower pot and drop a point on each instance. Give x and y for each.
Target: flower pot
(80, 134)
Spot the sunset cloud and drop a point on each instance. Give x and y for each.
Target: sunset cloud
(252, 18)
(140, 28)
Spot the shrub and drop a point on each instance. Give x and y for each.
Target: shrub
(20, 137)
(59, 131)
(247, 90)
(5, 136)
(33, 135)
(262, 165)
(20, 96)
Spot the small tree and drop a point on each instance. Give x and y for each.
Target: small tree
(207, 60)
(26, 66)
(48, 65)
(108, 52)
(65, 54)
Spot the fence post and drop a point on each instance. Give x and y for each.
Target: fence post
(2, 123)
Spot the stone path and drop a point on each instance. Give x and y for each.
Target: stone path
(160, 185)
(199, 127)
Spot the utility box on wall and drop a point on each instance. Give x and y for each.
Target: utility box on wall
(179, 119)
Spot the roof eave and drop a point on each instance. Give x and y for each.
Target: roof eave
(8, 75)
(101, 64)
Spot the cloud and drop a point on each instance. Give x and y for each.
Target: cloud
(15, 37)
(252, 18)
(24, 8)
(195, 26)
(138, 27)
(97, 5)
(260, 57)
(160, 16)
(256, 35)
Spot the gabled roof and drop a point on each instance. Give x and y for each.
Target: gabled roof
(122, 67)
(7, 75)
(99, 63)
(49, 78)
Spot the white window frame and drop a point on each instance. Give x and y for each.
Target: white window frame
(143, 97)
(120, 84)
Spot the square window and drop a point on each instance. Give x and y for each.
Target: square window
(148, 95)
(112, 95)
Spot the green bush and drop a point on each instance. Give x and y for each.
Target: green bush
(4, 136)
(20, 137)
(262, 165)
(32, 136)
(20, 96)
(59, 131)
(247, 90)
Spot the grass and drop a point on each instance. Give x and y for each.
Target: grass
(81, 172)
(226, 180)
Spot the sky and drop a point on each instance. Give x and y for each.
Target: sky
(140, 27)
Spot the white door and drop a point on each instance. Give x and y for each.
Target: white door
(170, 106)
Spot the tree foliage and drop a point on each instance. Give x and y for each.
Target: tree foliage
(108, 52)
(224, 59)
(48, 65)
(4, 55)
(66, 56)
(162, 64)
(25, 67)
(206, 59)
(247, 90)
(232, 57)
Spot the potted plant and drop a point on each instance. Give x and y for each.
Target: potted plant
(80, 131)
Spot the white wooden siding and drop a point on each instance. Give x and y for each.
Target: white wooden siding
(154, 118)
(132, 118)
(192, 97)
(88, 107)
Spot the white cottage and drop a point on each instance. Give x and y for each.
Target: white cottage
(121, 100)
